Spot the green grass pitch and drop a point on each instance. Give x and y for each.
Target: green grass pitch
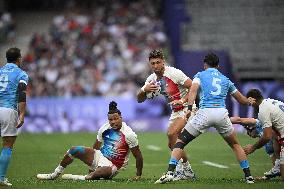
(41, 153)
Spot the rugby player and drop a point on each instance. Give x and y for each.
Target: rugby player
(174, 85)
(213, 88)
(271, 117)
(114, 141)
(13, 84)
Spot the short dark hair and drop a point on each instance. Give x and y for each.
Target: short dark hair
(112, 108)
(13, 54)
(211, 60)
(156, 53)
(255, 93)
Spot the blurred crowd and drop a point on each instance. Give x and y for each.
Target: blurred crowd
(102, 51)
(7, 27)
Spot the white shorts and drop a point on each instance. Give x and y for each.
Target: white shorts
(210, 117)
(102, 161)
(178, 114)
(8, 122)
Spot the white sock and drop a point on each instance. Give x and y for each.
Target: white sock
(59, 169)
(277, 163)
(78, 177)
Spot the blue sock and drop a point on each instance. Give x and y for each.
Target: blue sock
(172, 164)
(5, 157)
(244, 164)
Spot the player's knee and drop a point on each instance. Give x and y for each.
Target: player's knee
(170, 145)
(171, 133)
(185, 137)
(75, 150)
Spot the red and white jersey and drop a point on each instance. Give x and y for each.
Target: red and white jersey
(171, 85)
(117, 143)
(271, 114)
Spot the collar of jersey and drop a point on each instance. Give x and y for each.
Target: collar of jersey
(212, 69)
(11, 65)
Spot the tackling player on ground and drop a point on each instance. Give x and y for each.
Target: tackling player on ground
(271, 117)
(174, 85)
(254, 129)
(213, 87)
(13, 84)
(114, 141)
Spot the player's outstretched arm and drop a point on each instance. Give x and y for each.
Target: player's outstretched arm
(242, 99)
(267, 135)
(243, 121)
(139, 161)
(97, 145)
(193, 93)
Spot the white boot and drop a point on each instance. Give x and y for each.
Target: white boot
(51, 176)
(274, 171)
(167, 177)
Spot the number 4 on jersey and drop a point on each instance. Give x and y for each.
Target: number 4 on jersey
(280, 106)
(3, 82)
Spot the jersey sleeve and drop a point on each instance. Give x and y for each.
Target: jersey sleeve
(232, 88)
(24, 78)
(149, 79)
(131, 140)
(196, 78)
(180, 77)
(264, 117)
(100, 133)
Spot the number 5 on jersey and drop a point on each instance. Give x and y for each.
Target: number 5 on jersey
(216, 84)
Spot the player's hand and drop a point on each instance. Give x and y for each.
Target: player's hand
(20, 122)
(252, 133)
(249, 149)
(151, 87)
(176, 102)
(251, 101)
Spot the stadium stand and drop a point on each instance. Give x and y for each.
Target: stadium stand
(250, 31)
(98, 51)
(7, 27)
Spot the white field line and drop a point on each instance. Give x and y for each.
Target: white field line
(153, 148)
(215, 165)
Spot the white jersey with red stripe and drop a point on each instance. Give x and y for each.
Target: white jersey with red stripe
(171, 85)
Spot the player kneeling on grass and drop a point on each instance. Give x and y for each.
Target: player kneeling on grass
(254, 130)
(271, 116)
(117, 139)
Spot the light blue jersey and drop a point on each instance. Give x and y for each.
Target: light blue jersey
(10, 77)
(214, 88)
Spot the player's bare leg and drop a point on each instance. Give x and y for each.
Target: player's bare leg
(184, 138)
(173, 132)
(85, 154)
(6, 153)
(240, 154)
(183, 170)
